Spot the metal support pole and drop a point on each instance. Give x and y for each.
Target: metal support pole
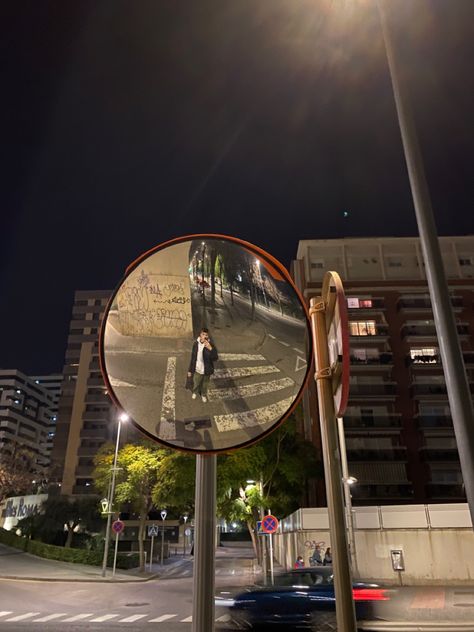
(263, 539)
(459, 394)
(204, 544)
(162, 540)
(271, 554)
(347, 496)
(151, 550)
(115, 553)
(345, 611)
(110, 502)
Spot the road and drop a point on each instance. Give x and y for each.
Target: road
(261, 368)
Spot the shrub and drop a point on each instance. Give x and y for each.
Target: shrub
(59, 553)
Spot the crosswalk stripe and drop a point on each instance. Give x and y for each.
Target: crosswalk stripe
(50, 617)
(134, 617)
(284, 343)
(249, 390)
(105, 617)
(167, 419)
(22, 617)
(163, 617)
(4, 613)
(230, 357)
(78, 617)
(248, 418)
(120, 383)
(224, 618)
(187, 620)
(245, 371)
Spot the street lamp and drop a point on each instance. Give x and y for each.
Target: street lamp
(457, 386)
(163, 515)
(123, 417)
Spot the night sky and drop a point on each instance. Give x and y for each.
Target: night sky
(124, 124)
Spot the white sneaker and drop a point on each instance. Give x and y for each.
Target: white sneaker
(204, 399)
(190, 426)
(194, 396)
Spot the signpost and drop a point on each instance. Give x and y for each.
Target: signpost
(152, 532)
(269, 526)
(163, 515)
(117, 527)
(331, 346)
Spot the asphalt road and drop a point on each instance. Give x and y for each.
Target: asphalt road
(260, 371)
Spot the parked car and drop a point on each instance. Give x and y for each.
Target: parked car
(303, 598)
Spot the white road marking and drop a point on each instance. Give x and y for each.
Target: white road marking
(224, 618)
(167, 420)
(105, 617)
(120, 383)
(50, 617)
(259, 416)
(164, 617)
(272, 337)
(133, 618)
(22, 617)
(3, 613)
(188, 620)
(297, 350)
(230, 357)
(249, 390)
(78, 617)
(300, 363)
(245, 371)
(284, 343)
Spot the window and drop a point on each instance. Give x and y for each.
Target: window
(426, 355)
(362, 328)
(365, 355)
(357, 303)
(394, 263)
(319, 264)
(465, 261)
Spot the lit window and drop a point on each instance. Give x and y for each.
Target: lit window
(363, 328)
(423, 356)
(356, 303)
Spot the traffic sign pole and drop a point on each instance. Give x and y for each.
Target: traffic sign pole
(345, 611)
(151, 550)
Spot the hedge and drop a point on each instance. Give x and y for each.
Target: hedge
(78, 556)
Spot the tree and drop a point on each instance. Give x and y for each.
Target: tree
(16, 471)
(139, 466)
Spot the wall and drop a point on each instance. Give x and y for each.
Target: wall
(437, 541)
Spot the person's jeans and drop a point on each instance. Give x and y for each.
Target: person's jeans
(200, 384)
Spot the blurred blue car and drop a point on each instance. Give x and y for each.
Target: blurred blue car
(299, 599)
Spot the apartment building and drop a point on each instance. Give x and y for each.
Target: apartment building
(398, 428)
(52, 383)
(26, 420)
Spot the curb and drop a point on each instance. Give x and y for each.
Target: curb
(419, 626)
(93, 580)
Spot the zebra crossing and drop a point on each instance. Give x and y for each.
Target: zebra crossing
(7, 616)
(238, 394)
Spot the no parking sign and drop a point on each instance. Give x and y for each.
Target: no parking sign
(269, 524)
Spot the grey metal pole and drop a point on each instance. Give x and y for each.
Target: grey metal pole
(347, 496)
(115, 554)
(459, 394)
(263, 538)
(204, 544)
(162, 541)
(111, 500)
(345, 611)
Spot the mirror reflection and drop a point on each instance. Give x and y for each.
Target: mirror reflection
(205, 344)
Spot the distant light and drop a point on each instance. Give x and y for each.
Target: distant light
(345, 214)
(17, 401)
(124, 417)
(18, 390)
(234, 525)
(54, 418)
(250, 482)
(88, 484)
(37, 381)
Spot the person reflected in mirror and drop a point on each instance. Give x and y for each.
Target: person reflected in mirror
(299, 562)
(201, 365)
(327, 561)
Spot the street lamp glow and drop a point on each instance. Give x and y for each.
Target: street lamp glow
(350, 480)
(124, 417)
(250, 482)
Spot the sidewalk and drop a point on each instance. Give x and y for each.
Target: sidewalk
(15, 564)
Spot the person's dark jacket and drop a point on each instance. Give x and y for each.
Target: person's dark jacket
(208, 357)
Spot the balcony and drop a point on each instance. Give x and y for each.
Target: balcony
(429, 330)
(447, 455)
(82, 490)
(375, 491)
(87, 451)
(374, 423)
(93, 434)
(394, 453)
(380, 330)
(434, 421)
(441, 491)
(84, 470)
(431, 390)
(366, 305)
(422, 303)
(382, 359)
(382, 390)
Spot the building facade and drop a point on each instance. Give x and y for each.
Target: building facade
(85, 412)
(52, 383)
(398, 428)
(26, 421)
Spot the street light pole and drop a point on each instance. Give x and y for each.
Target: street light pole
(346, 481)
(163, 515)
(122, 417)
(457, 386)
